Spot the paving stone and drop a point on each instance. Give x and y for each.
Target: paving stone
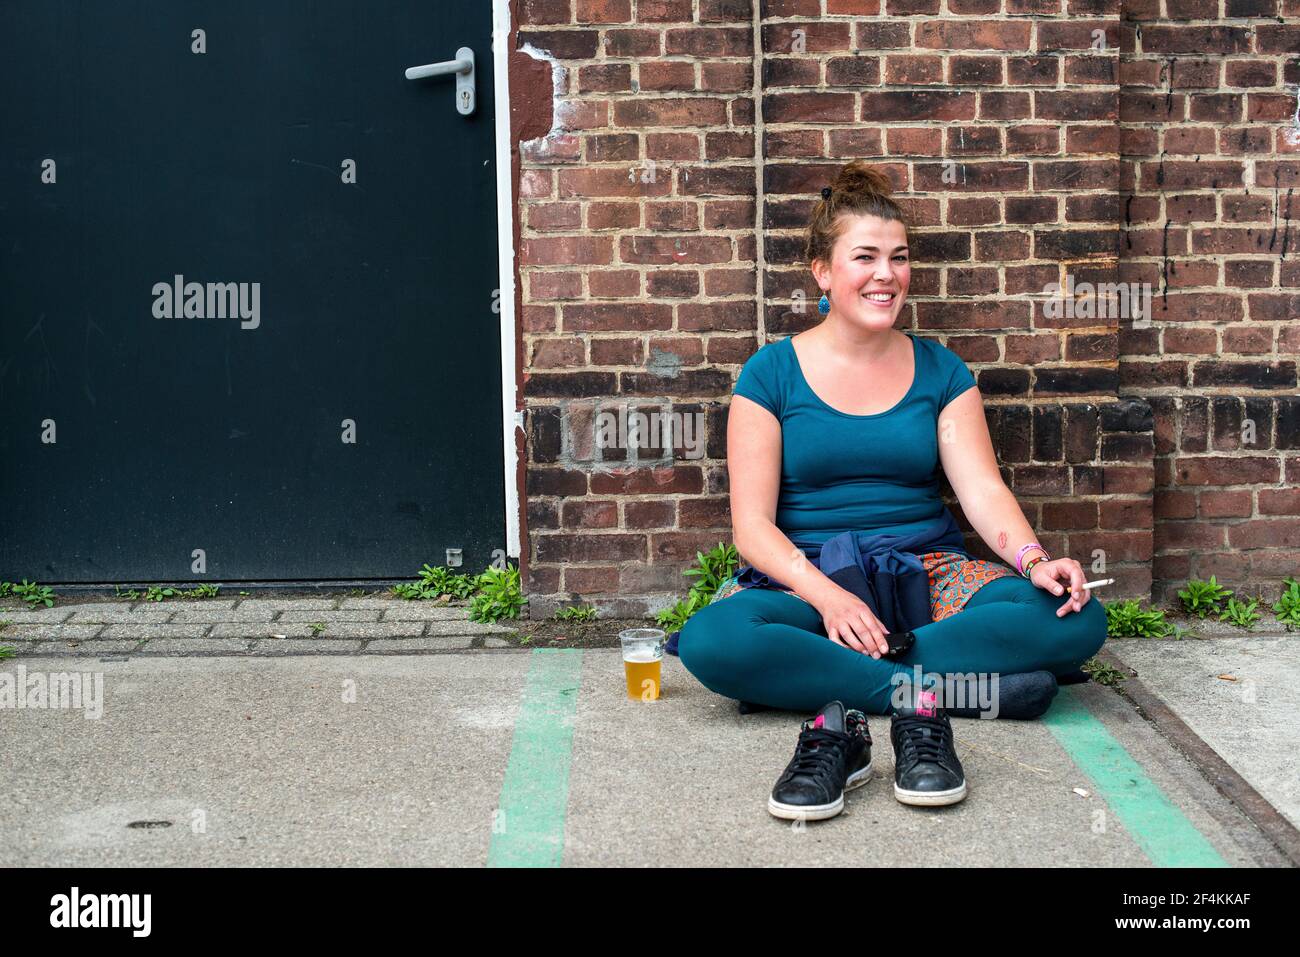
(182, 603)
(467, 628)
(380, 629)
(286, 604)
(108, 607)
(193, 646)
(18, 647)
(392, 601)
(299, 646)
(23, 616)
(498, 643)
(329, 615)
(426, 611)
(53, 631)
(199, 614)
(91, 648)
(151, 631)
(115, 615)
(438, 643)
(260, 630)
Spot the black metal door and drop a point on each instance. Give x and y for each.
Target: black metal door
(343, 420)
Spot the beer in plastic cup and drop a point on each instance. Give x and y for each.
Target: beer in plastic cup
(643, 652)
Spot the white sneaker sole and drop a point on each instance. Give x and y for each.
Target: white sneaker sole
(818, 812)
(930, 798)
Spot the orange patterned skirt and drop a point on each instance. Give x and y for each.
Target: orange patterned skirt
(953, 579)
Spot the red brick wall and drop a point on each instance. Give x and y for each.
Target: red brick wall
(1025, 146)
(1210, 141)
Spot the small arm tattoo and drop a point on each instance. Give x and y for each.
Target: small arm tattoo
(1002, 539)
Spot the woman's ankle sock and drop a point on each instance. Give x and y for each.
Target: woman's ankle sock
(1020, 696)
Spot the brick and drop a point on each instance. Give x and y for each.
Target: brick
(1250, 375)
(410, 645)
(194, 646)
(918, 105)
(826, 36)
(313, 646)
(700, 41)
(617, 317)
(662, 250)
(535, 12)
(566, 250)
(681, 479)
(1169, 504)
(663, 11)
(661, 513)
(612, 181)
(1222, 470)
(682, 546)
(633, 43)
(1120, 479)
(1069, 515)
(1279, 501)
(684, 111)
(1216, 504)
(583, 581)
(589, 514)
(809, 108)
(1188, 535)
(1265, 533)
(566, 547)
(1118, 546)
(973, 35)
(63, 632)
(1159, 39)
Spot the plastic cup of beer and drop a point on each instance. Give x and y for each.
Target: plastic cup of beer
(643, 652)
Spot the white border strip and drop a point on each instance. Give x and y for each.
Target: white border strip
(511, 418)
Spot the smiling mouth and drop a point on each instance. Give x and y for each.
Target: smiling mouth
(881, 298)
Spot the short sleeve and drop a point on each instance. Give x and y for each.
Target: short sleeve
(958, 379)
(758, 380)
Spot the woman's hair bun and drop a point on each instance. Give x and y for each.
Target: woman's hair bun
(857, 188)
(856, 177)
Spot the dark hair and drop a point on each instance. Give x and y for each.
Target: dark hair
(857, 189)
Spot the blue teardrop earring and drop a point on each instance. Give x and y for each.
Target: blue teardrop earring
(824, 305)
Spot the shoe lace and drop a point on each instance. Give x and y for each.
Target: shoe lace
(924, 738)
(818, 753)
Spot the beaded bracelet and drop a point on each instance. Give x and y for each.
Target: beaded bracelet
(1029, 565)
(1021, 554)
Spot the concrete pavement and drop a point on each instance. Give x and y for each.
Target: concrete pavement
(510, 756)
(1239, 693)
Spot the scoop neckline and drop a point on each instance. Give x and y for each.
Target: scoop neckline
(916, 376)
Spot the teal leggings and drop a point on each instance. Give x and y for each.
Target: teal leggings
(770, 647)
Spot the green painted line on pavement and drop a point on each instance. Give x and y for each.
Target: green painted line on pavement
(1161, 830)
(528, 830)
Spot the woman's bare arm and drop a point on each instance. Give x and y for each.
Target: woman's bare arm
(754, 473)
(966, 451)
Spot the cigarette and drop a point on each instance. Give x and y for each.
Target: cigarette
(1099, 583)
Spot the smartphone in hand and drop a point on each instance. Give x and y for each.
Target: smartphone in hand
(899, 643)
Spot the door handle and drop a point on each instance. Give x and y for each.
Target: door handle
(463, 67)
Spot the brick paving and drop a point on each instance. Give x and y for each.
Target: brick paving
(248, 626)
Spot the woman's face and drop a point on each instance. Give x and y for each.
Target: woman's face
(869, 272)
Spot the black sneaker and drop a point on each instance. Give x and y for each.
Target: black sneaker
(833, 756)
(926, 769)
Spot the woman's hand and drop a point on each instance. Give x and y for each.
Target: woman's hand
(1049, 575)
(849, 622)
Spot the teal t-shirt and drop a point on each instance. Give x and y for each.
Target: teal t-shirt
(842, 472)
